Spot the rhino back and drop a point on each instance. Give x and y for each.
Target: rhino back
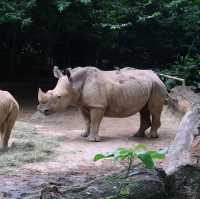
(130, 92)
(120, 94)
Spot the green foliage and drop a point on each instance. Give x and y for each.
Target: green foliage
(85, 1)
(187, 68)
(145, 33)
(63, 4)
(137, 152)
(12, 11)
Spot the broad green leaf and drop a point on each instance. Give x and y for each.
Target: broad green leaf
(139, 147)
(146, 159)
(156, 155)
(102, 156)
(122, 154)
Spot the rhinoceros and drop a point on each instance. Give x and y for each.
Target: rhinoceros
(9, 109)
(97, 93)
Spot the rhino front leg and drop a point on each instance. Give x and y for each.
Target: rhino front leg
(96, 116)
(86, 117)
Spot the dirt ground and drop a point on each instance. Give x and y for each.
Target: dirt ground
(72, 162)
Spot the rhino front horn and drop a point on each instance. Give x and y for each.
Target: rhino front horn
(41, 95)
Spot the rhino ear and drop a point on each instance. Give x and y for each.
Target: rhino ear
(57, 73)
(68, 73)
(41, 95)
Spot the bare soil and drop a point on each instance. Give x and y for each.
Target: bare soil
(72, 161)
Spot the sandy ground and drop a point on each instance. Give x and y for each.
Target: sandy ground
(73, 162)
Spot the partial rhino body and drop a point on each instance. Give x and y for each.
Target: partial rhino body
(9, 109)
(119, 93)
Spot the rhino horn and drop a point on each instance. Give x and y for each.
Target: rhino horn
(41, 95)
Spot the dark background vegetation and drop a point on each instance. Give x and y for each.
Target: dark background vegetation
(35, 35)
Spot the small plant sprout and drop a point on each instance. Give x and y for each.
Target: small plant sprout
(138, 151)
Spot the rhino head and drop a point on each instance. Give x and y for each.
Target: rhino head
(58, 98)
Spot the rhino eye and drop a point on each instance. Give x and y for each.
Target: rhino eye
(58, 96)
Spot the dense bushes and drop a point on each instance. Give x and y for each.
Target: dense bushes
(187, 68)
(143, 34)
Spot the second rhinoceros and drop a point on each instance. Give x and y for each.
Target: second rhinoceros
(118, 93)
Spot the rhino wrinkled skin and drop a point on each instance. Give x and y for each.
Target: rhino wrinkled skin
(118, 93)
(9, 110)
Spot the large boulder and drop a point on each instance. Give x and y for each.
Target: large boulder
(141, 184)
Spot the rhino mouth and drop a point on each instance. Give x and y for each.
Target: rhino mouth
(44, 111)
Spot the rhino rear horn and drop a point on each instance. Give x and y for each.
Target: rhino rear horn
(57, 73)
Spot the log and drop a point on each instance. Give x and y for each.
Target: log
(185, 148)
(182, 163)
(186, 143)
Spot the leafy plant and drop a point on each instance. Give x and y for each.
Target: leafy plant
(131, 154)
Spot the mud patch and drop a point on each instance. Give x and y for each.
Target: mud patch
(28, 146)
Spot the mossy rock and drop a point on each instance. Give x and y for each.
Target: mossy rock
(141, 184)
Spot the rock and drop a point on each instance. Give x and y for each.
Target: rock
(51, 192)
(184, 183)
(141, 184)
(182, 99)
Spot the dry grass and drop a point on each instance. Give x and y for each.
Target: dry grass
(29, 146)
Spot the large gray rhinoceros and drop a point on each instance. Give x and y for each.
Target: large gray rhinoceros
(118, 93)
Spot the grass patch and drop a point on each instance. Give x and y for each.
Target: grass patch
(29, 146)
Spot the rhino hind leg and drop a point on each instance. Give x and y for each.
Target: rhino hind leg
(96, 116)
(6, 129)
(3, 146)
(145, 122)
(155, 110)
(86, 117)
(155, 125)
